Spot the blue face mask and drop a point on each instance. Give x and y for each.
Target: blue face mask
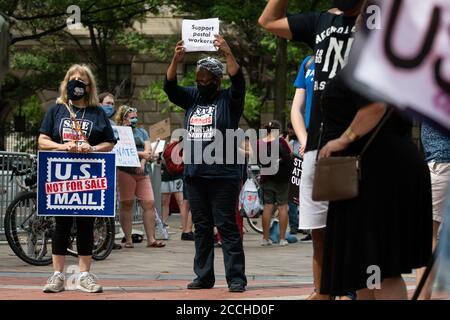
(109, 110)
(133, 122)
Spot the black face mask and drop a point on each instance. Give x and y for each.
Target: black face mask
(76, 90)
(346, 5)
(207, 91)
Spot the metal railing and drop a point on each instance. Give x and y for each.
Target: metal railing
(9, 188)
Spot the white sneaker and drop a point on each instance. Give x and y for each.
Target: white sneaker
(283, 243)
(88, 283)
(55, 284)
(266, 243)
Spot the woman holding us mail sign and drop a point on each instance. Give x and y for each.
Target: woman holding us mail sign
(75, 124)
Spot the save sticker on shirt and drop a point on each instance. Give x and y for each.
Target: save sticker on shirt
(202, 123)
(68, 133)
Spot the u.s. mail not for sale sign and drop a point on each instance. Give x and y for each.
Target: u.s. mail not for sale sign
(73, 184)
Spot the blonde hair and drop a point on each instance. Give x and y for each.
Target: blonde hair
(121, 113)
(91, 95)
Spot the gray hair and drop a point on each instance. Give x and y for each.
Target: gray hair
(212, 65)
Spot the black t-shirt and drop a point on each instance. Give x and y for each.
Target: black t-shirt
(203, 118)
(94, 123)
(331, 38)
(340, 105)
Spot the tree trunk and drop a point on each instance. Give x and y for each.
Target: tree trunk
(280, 81)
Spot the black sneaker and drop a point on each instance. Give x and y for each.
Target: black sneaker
(293, 231)
(196, 285)
(236, 287)
(306, 239)
(188, 236)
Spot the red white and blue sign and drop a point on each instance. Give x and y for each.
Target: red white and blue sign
(74, 184)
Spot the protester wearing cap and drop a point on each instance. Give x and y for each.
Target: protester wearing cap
(213, 189)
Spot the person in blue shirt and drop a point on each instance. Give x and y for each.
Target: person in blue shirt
(213, 189)
(301, 105)
(436, 146)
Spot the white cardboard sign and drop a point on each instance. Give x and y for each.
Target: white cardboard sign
(125, 148)
(198, 35)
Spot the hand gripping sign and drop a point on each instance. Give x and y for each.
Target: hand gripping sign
(74, 184)
(198, 35)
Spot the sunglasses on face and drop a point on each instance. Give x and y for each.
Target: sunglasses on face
(128, 110)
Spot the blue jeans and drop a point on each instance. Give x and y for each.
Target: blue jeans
(293, 215)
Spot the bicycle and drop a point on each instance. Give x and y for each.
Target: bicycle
(29, 235)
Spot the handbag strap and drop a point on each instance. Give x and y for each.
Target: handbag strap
(372, 137)
(374, 134)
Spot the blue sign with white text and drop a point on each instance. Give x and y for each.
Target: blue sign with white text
(75, 184)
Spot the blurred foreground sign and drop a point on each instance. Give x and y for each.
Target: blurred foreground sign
(407, 61)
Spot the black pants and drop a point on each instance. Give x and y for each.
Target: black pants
(85, 235)
(213, 202)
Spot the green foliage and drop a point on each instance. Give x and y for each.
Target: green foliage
(32, 110)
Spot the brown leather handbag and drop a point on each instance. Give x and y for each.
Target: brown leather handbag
(337, 178)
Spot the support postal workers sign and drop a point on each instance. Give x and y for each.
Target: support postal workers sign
(74, 184)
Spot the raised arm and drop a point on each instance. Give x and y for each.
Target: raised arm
(274, 19)
(178, 95)
(224, 48)
(177, 57)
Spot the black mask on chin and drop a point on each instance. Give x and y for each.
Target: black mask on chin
(207, 91)
(346, 5)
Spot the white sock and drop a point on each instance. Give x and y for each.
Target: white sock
(83, 274)
(57, 273)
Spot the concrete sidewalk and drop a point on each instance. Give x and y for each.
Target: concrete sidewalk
(163, 273)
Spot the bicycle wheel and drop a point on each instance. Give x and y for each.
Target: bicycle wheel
(255, 223)
(28, 235)
(104, 232)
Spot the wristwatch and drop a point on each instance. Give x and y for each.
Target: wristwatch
(351, 135)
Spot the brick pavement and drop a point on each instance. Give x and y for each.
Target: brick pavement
(162, 273)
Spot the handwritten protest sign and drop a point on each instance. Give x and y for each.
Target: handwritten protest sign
(160, 130)
(125, 148)
(158, 147)
(406, 61)
(198, 35)
(74, 184)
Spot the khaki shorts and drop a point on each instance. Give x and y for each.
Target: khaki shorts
(275, 193)
(440, 177)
